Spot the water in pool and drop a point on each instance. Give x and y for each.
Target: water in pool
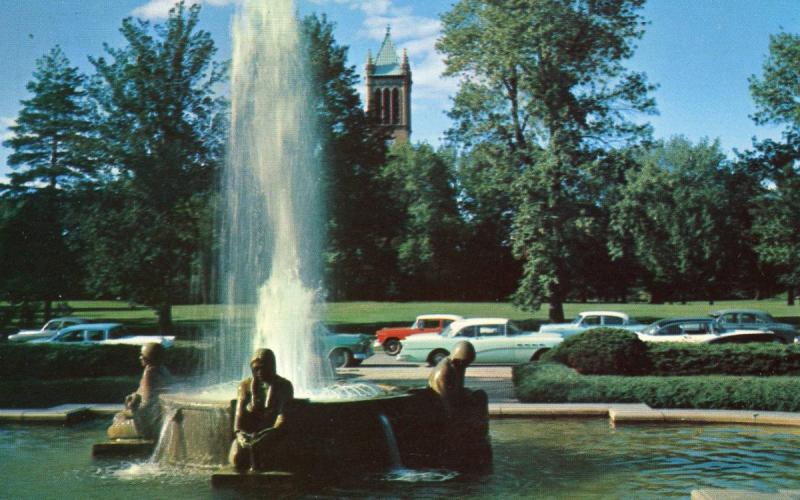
(532, 458)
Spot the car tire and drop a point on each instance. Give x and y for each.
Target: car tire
(340, 358)
(437, 356)
(538, 354)
(392, 347)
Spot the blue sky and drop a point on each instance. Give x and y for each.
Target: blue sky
(699, 52)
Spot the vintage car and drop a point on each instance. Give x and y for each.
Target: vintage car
(344, 349)
(496, 341)
(104, 334)
(753, 319)
(702, 329)
(389, 338)
(593, 319)
(48, 330)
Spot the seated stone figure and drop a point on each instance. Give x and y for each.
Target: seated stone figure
(447, 378)
(141, 417)
(465, 432)
(261, 405)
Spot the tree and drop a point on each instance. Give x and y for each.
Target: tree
(428, 241)
(52, 145)
(777, 93)
(53, 135)
(486, 205)
(544, 82)
(163, 134)
(359, 259)
(37, 264)
(777, 164)
(675, 211)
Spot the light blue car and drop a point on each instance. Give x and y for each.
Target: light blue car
(594, 319)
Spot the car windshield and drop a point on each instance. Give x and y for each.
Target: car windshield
(448, 331)
(512, 329)
(651, 329)
(577, 320)
(50, 325)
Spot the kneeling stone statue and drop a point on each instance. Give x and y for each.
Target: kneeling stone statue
(141, 418)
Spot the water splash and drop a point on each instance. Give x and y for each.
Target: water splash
(272, 228)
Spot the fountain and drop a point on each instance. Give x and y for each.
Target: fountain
(271, 248)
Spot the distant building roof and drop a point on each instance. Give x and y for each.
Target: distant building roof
(387, 63)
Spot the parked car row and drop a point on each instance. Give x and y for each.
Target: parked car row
(431, 337)
(499, 340)
(72, 330)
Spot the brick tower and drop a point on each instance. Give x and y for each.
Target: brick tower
(388, 81)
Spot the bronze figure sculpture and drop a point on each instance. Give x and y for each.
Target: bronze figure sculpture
(141, 418)
(259, 424)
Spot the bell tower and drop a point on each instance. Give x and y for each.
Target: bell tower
(388, 82)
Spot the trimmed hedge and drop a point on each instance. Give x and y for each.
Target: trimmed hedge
(606, 351)
(732, 359)
(52, 361)
(556, 383)
(602, 351)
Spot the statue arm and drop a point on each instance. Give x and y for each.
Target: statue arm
(287, 396)
(242, 399)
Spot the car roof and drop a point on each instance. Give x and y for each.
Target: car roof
(454, 317)
(605, 313)
(740, 311)
(68, 318)
(91, 326)
(682, 318)
(478, 321)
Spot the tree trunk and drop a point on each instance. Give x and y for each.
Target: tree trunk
(790, 296)
(48, 310)
(164, 312)
(556, 312)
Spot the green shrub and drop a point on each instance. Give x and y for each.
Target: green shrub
(603, 351)
(672, 358)
(53, 361)
(556, 383)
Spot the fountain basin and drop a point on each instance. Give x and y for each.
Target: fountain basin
(333, 436)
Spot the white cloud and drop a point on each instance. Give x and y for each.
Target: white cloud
(5, 133)
(368, 7)
(159, 9)
(415, 34)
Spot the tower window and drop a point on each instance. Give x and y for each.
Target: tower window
(395, 107)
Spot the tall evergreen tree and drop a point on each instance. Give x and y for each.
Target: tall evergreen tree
(543, 81)
(53, 144)
(52, 139)
(163, 134)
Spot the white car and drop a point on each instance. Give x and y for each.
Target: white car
(593, 319)
(702, 330)
(496, 340)
(106, 334)
(48, 330)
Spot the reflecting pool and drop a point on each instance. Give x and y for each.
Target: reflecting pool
(532, 458)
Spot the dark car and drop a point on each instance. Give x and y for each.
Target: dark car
(753, 319)
(705, 330)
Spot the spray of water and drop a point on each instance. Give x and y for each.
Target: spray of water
(272, 226)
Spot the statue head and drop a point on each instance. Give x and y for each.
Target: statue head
(152, 354)
(463, 354)
(263, 364)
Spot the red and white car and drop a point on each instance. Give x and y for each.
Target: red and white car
(389, 338)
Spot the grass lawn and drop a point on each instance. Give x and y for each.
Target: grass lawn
(376, 313)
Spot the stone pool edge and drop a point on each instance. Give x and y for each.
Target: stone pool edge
(617, 413)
